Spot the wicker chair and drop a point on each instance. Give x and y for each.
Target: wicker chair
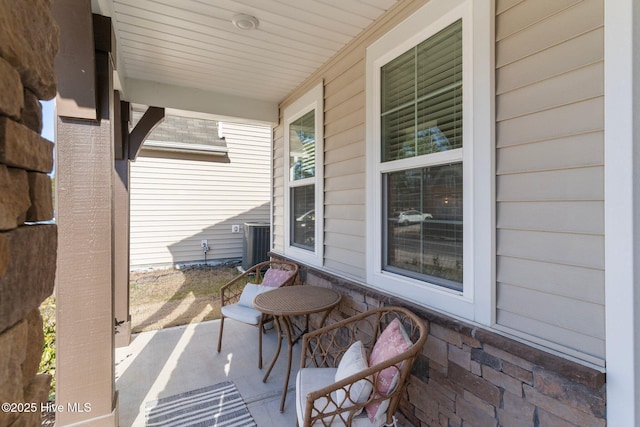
(323, 401)
(236, 305)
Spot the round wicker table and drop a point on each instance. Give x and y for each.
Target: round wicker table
(282, 304)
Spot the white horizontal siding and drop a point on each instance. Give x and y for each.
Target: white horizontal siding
(580, 250)
(551, 311)
(552, 123)
(585, 217)
(577, 52)
(542, 33)
(563, 184)
(553, 278)
(550, 173)
(345, 148)
(552, 333)
(549, 168)
(177, 201)
(582, 150)
(503, 5)
(579, 84)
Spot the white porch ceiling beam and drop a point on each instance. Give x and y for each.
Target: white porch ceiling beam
(223, 106)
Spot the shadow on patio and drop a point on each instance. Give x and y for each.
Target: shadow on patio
(167, 362)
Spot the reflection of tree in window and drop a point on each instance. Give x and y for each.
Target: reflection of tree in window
(302, 147)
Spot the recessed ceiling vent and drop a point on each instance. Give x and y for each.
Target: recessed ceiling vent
(245, 22)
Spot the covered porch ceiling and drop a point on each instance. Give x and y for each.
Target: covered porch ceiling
(189, 55)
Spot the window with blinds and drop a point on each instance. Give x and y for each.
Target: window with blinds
(302, 163)
(421, 97)
(420, 116)
(302, 147)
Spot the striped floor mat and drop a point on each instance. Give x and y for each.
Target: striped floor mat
(218, 405)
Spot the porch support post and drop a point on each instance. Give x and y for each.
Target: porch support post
(84, 194)
(622, 210)
(121, 214)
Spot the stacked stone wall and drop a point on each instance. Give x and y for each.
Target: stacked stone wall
(468, 376)
(28, 45)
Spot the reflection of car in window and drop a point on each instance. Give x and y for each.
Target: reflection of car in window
(411, 217)
(308, 217)
(305, 227)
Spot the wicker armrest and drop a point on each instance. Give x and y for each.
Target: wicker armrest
(369, 375)
(325, 347)
(230, 292)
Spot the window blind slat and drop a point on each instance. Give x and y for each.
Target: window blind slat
(399, 82)
(424, 82)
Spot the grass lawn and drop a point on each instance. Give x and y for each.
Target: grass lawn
(171, 297)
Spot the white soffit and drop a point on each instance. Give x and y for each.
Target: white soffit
(194, 45)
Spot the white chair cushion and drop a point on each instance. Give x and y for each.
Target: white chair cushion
(353, 361)
(311, 379)
(242, 313)
(249, 292)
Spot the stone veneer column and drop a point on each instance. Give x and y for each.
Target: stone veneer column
(28, 45)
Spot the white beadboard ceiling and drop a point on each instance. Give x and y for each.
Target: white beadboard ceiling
(190, 47)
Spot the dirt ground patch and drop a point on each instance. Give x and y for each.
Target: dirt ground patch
(172, 297)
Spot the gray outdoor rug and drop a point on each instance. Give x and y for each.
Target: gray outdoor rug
(218, 405)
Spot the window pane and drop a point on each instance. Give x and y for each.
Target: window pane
(440, 90)
(422, 98)
(398, 132)
(302, 147)
(440, 61)
(398, 81)
(440, 122)
(303, 214)
(423, 217)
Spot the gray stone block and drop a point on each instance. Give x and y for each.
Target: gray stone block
(29, 275)
(23, 148)
(29, 37)
(14, 197)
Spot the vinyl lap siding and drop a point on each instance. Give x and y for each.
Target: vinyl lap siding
(177, 202)
(277, 221)
(344, 171)
(345, 149)
(344, 174)
(550, 173)
(549, 169)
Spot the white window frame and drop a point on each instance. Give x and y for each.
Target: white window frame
(312, 100)
(476, 302)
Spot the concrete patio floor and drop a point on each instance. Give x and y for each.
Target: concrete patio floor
(163, 363)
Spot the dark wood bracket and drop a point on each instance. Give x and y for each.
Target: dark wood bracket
(149, 120)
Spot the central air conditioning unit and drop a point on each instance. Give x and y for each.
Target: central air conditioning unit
(256, 243)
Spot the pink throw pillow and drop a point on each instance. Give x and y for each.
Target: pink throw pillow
(274, 278)
(391, 342)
